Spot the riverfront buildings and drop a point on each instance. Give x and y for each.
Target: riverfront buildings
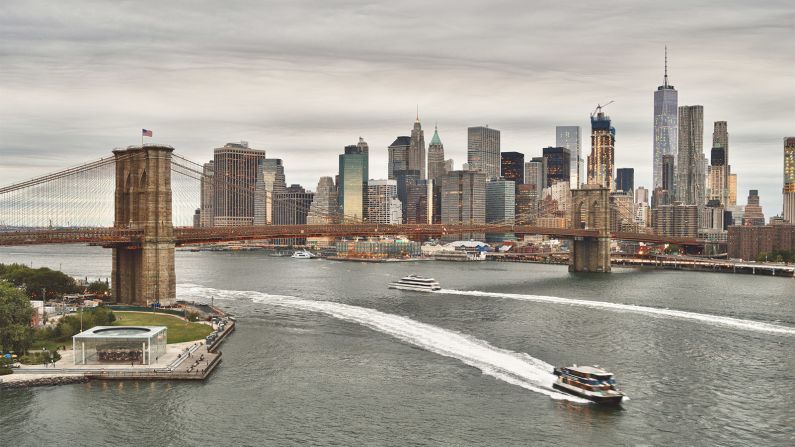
(436, 163)
(483, 150)
(353, 174)
(753, 242)
(789, 180)
(569, 137)
(602, 159)
(512, 167)
(235, 172)
(666, 130)
(690, 163)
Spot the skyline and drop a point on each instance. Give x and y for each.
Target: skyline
(89, 82)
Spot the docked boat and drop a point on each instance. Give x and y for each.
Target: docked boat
(416, 282)
(589, 382)
(303, 254)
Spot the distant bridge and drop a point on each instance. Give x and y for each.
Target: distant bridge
(75, 206)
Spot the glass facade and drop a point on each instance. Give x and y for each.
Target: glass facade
(666, 127)
(569, 137)
(483, 150)
(353, 185)
(513, 167)
(556, 161)
(102, 345)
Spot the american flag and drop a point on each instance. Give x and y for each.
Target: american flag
(146, 133)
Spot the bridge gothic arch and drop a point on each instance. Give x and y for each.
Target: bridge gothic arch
(590, 211)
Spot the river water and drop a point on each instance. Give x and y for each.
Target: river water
(325, 354)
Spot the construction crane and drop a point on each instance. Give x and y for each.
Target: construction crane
(599, 108)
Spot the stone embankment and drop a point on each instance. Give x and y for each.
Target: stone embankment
(27, 380)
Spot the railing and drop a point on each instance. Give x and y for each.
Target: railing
(191, 235)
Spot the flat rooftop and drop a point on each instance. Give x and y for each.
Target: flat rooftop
(122, 332)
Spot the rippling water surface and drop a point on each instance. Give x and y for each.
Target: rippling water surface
(324, 354)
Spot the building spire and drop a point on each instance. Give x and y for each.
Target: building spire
(665, 79)
(418, 113)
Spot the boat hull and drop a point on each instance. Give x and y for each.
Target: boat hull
(414, 288)
(599, 399)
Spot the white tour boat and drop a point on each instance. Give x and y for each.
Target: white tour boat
(416, 282)
(303, 254)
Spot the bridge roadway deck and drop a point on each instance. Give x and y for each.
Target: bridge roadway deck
(110, 237)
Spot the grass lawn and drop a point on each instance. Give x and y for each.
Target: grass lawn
(179, 330)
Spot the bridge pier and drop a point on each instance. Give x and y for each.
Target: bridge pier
(590, 210)
(144, 274)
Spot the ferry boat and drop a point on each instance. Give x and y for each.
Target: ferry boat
(589, 382)
(303, 254)
(416, 282)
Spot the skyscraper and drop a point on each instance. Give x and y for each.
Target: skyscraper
(436, 165)
(420, 202)
(512, 166)
(666, 131)
(556, 162)
(398, 156)
(464, 199)
(383, 206)
(353, 174)
(500, 206)
(405, 179)
(569, 137)
(270, 181)
(483, 150)
(753, 210)
(690, 162)
(324, 205)
(323, 210)
(416, 153)
(718, 171)
(291, 206)
(602, 159)
(535, 174)
(234, 181)
(625, 180)
(207, 195)
(789, 180)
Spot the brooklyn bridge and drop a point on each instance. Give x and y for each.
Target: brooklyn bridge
(127, 203)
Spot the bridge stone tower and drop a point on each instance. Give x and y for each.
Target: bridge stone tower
(590, 210)
(144, 274)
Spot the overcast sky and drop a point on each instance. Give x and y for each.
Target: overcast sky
(302, 79)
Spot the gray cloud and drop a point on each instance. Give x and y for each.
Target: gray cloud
(302, 79)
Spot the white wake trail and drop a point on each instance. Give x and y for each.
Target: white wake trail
(515, 368)
(737, 323)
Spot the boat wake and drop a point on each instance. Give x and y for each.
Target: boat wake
(736, 323)
(515, 368)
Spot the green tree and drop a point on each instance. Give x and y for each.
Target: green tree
(98, 287)
(15, 314)
(35, 280)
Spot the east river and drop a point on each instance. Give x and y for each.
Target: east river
(325, 354)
